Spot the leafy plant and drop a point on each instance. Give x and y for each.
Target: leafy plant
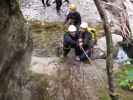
(125, 77)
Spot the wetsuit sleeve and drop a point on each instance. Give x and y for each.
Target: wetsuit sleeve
(43, 3)
(79, 18)
(67, 18)
(68, 41)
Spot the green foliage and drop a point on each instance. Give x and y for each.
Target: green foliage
(103, 94)
(125, 77)
(104, 98)
(78, 1)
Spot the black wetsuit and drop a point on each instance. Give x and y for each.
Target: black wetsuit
(70, 42)
(87, 45)
(74, 17)
(58, 5)
(46, 4)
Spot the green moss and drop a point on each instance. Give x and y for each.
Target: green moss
(103, 94)
(124, 76)
(121, 76)
(125, 95)
(47, 35)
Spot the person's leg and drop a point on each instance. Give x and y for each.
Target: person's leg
(47, 3)
(66, 50)
(43, 3)
(58, 5)
(77, 51)
(66, 47)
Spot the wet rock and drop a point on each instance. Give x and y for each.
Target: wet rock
(64, 76)
(101, 45)
(44, 65)
(40, 52)
(70, 77)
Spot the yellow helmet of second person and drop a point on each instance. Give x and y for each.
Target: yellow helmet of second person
(72, 7)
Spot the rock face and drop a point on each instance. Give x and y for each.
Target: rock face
(15, 50)
(44, 65)
(101, 43)
(71, 80)
(100, 48)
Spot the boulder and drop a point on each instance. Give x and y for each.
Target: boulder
(100, 48)
(44, 65)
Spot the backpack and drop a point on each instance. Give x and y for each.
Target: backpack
(93, 33)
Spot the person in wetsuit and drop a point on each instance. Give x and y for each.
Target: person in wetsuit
(70, 41)
(73, 17)
(85, 42)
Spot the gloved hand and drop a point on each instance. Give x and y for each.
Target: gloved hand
(80, 40)
(81, 44)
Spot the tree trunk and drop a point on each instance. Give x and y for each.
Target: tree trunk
(15, 51)
(109, 60)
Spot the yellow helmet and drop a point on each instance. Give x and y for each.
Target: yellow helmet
(72, 7)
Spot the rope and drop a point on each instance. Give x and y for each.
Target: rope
(101, 82)
(86, 55)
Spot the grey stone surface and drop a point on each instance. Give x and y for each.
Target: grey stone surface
(35, 10)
